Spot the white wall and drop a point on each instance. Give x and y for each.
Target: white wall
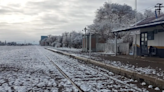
(110, 47)
(136, 32)
(100, 47)
(138, 39)
(158, 40)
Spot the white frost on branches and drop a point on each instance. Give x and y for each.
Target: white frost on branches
(113, 16)
(72, 39)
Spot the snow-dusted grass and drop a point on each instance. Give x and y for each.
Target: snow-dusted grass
(24, 69)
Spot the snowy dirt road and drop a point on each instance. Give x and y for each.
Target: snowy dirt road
(27, 69)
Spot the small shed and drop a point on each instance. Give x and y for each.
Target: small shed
(149, 36)
(86, 41)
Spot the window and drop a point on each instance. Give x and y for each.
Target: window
(150, 35)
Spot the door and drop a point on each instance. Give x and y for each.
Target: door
(143, 43)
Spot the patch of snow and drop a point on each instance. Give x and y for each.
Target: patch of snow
(69, 49)
(85, 87)
(143, 83)
(109, 52)
(150, 86)
(156, 88)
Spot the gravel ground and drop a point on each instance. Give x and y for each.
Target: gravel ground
(94, 79)
(144, 66)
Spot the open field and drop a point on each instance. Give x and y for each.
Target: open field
(25, 69)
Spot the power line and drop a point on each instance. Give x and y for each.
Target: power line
(136, 9)
(158, 7)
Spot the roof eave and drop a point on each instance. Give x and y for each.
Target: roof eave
(141, 26)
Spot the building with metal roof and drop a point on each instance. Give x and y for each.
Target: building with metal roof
(149, 36)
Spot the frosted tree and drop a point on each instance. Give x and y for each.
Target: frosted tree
(65, 39)
(57, 40)
(139, 16)
(111, 17)
(51, 39)
(149, 13)
(76, 39)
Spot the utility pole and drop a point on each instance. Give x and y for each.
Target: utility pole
(84, 40)
(90, 41)
(135, 36)
(70, 41)
(66, 39)
(158, 7)
(85, 29)
(136, 10)
(115, 34)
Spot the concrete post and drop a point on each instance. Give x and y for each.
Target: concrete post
(115, 44)
(86, 43)
(70, 41)
(135, 47)
(85, 29)
(90, 41)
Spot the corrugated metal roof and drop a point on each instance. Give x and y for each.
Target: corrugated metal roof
(151, 20)
(148, 22)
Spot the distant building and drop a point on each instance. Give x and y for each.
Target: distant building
(43, 37)
(43, 43)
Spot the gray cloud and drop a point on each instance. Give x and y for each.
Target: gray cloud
(53, 17)
(44, 5)
(10, 9)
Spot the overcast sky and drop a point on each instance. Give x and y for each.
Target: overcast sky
(27, 20)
